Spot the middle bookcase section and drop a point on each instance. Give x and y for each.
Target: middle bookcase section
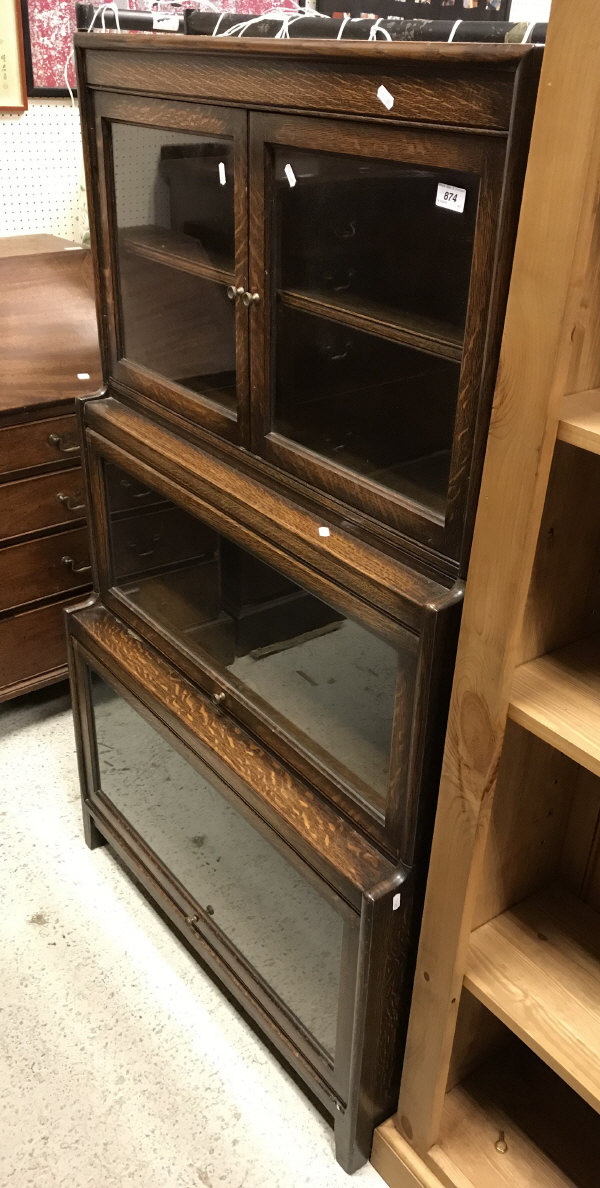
(285, 635)
(322, 677)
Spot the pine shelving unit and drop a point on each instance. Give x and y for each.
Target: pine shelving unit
(501, 1078)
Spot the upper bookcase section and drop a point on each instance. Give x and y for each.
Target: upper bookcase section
(303, 252)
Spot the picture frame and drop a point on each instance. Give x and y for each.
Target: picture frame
(48, 28)
(13, 88)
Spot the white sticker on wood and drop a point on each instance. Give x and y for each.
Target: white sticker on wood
(385, 97)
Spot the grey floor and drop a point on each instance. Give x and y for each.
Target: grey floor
(121, 1063)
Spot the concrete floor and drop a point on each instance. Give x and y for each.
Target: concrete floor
(121, 1063)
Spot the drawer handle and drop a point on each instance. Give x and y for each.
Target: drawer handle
(144, 552)
(70, 501)
(60, 442)
(70, 564)
(135, 495)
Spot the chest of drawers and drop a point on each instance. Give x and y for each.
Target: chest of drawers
(48, 356)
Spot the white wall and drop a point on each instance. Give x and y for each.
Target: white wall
(41, 171)
(530, 10)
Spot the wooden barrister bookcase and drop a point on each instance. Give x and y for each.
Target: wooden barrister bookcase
(301, 289)
(501, 1080)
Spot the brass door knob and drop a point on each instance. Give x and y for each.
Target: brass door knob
(233, 293)
(250, 298)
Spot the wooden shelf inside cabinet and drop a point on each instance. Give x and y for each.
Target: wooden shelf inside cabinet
(579, 423)
(557, 698)
(493, 1133)
(175, 250)
(554, 1147)
(537, 968)
(412, 330)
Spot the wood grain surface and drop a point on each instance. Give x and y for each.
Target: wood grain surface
(350, 859)
(557, 697)
(548, 291)
(537, 967)
(579, 423)
(48, 329)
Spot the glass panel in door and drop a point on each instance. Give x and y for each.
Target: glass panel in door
(326, 680)
(175, 235)
(371, 264)
(281, 924)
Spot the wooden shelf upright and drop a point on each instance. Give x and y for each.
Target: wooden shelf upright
(501, 1078)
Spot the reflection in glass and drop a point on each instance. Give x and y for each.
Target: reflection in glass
(381, 409)
(328, 680)
(284, 928)
(370, 287)
(369, 233)
(174, 205)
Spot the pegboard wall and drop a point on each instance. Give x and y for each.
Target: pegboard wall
(42, 188)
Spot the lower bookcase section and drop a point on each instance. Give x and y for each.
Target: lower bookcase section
(310, 928)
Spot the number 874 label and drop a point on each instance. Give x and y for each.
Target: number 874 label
(451, 197)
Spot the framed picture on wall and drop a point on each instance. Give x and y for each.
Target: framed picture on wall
(13, 91)
(48, 28)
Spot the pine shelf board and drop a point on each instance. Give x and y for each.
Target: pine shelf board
(557, 698)
(537, 968)
(579, 423)
(557, 1147)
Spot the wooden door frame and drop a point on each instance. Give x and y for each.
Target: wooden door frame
(171, 115)
(476, 153)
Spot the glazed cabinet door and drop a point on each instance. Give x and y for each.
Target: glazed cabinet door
(173, 233)
(368, 331)
(281, 930)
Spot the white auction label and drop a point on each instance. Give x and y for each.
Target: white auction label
(165, 21)
(385, 97)
(451, 198)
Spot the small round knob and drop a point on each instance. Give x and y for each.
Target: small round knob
(250, 298)
(233, 293)
(219, 698)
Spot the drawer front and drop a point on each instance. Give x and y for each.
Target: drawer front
(31, 643)
(127, 494)
(34, 504)
(37, 569)
(38, 443)
(148, 541)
